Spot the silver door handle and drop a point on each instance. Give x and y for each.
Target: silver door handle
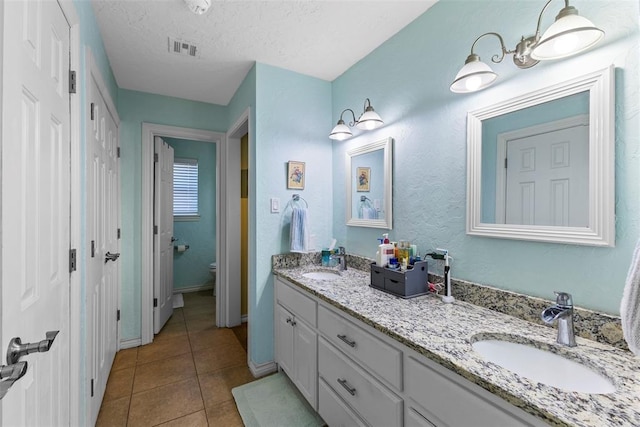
(9, 375)
(16, 349)
(111, 257)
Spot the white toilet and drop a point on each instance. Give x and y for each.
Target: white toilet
(212, 271)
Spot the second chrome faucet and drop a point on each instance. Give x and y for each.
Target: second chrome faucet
(562, 311)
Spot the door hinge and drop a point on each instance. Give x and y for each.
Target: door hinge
(91, 387)
(118, 152)
(155, 229)
(72, 260)
(93, 249)
(155, 302)
(155, 157)
(72, 81)
(118, 233)
(505, 162)
(118, 316)
(92, 108)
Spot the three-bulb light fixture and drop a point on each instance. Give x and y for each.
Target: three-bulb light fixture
(368, 120)
(568, 35)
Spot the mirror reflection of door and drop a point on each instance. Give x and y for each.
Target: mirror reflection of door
(545, 176)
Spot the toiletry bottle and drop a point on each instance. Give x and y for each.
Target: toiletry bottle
(386, 251)
(379, 262)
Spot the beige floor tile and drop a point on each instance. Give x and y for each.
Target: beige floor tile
(198, 419)
(166, 403)
(201, 323)
(201, 310)
(208, 338)
(164, 371)
(161, 349)
(224, 414)
(215, 359)
(177, 317)
(114, 413)
(119, 384)
(125, 359)
(171, 331)
(216, 387)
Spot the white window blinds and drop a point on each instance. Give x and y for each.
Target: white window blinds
(185, 187)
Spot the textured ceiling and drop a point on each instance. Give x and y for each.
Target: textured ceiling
(318, 38)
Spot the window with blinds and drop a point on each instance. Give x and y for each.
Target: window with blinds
(185, 188)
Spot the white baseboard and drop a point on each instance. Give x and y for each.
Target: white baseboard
(137, 342)
(260, 370)
(192, 289)
(244, 318)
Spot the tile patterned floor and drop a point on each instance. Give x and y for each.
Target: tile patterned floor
(184, 378)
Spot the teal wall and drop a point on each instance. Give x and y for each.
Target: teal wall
(191, 268)
(548, 112)
(293, 118)
(407, 80)
(134, 109)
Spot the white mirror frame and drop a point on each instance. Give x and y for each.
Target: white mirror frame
(601, 228)
(387, 146)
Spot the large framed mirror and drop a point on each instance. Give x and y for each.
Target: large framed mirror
(540, 166)
(369, 185)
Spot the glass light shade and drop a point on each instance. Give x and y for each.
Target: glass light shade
(570, 34)
(369, 120)
(340, 132)
(475, 75)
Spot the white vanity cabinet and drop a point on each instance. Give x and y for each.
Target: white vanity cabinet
(297, 340)
(362, 377)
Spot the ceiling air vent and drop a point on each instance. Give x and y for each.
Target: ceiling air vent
(182, 47)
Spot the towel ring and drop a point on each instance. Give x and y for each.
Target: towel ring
(296, 198)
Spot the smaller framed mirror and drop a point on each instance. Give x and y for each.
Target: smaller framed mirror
(369, 180)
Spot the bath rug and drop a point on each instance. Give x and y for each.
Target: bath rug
(178, 301)
(274, 401)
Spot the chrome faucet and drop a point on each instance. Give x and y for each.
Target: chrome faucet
(562, 311)
(341, 256)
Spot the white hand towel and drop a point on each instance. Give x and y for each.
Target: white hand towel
(299, 234)
(630, 305)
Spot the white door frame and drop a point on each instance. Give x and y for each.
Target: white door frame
(231, 315)
(149, 131)
(77, 384)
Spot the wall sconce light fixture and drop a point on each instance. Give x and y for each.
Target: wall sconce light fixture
(568, 35)
(368, 120)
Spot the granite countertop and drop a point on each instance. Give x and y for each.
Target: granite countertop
(444, 333)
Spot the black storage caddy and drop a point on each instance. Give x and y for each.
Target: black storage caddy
(405, 284)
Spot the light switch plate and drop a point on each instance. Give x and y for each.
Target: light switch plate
(275, 205)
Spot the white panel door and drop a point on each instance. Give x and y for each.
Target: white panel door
(163, 239)
(36, 207)
(547, 178)
(103, 287)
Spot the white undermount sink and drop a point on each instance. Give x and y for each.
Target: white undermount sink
(543, 366)
(325, 276)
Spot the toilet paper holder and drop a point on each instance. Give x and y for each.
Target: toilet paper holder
(181, 248)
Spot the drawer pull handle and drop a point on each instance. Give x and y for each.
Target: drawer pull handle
(343, 383)
(346, 340)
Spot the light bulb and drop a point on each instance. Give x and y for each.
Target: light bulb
(473, 83)
(566, 43)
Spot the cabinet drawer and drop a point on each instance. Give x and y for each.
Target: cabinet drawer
(299, 304)
(376, 404)
(447, 403)
(333, 410)
(359, 344)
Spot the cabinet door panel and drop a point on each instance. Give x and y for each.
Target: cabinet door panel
(296, 302)
(284, 340)
(305, 346)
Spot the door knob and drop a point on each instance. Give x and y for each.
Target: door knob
(110, 257)
(16, 349)
(9, 375)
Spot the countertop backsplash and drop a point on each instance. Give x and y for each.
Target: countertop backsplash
(588, 324)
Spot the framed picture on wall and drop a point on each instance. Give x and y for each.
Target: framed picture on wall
(363, 179)
(295, 175)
